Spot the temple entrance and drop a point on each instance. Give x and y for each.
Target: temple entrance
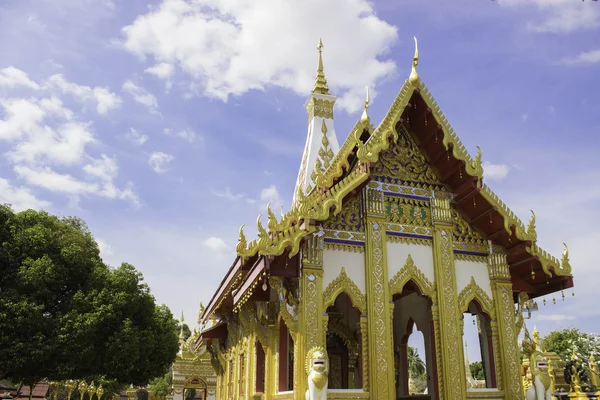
(343, 344)
(195, 389)
(480, 366)
(414, 362)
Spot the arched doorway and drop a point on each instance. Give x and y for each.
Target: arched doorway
(195, 389)
(479, 348)
(344, 344)
(413, 338)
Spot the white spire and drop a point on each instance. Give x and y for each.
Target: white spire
(321, 141)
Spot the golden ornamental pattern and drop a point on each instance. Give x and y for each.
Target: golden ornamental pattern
(353, 248)
(463, 231)
(311, 310)
(497, 354)
(364, 333)
(349, 219)
(343, 283)
(510, 340)
(410, 272)
(470, 257)
(404, 160)
(320, 108)
(474, 292)
(435, 316)
(452, 333)
(404, 210)
(379, 311)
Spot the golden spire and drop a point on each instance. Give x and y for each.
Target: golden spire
(365, 116)
(414, 76)
(321, 82)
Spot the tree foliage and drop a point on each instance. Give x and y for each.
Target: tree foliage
(64, 314)
(477, 371)
(567, 342)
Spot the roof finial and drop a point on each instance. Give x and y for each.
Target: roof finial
(321, 82)
(365, 116)
(414, 76)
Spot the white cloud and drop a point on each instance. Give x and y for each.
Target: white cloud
(136, 137)
(586, 57)
(226, 47)
(44, 137)
(12, 77)
(105, 99)
(21, 198)
(105, 248)
(141, 95)
(161, 70)
(559, 16)
(217, 244)
(495, 172)
(186, 134)
(159, 161)
(555, 317)
(271, 195)
(227, 194)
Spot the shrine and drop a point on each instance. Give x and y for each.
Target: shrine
(392, 232)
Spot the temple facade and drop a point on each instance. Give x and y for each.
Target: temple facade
(394, 232)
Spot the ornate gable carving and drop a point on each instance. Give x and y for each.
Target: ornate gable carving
(463, 231)
(350, 219)
(404, 161)
(343, 283)
(473, 292)
(410, 272)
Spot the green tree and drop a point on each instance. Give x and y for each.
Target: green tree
(64, 314)
(416, 365)
(186, 331)
(477, 370)
(568, 341)
(161, 386)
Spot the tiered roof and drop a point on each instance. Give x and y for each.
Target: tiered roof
(533, 270)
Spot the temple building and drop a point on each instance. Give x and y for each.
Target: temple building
(392, 233)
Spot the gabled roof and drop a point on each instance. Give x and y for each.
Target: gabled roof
(415, 109)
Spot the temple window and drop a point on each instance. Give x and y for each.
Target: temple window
(480, 367)
(414, 351)
(286, 358)
(242, 376)
(260, 368)
(343, 344)
(230, 380)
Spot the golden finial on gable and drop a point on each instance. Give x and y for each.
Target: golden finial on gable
(242, 244)
(321, 82)
(414, 76)
(531, 232)
(273, 225)
(365, 116)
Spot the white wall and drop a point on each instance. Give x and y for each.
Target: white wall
(353, 263)
(478, 270)
(422, 255)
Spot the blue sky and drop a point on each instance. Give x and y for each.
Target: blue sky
(167, 124)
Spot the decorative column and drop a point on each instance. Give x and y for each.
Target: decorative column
(497, 355)
(271, 364)
(364, 329)
(312, 289)
(312, 329)
(436, 351)
(381, 367)
(451, 357)
(508, 349)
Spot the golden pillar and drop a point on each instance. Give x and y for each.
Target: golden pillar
(451, 358)
(381, 366)
(311, 321)
(364, 333)
(504, 303)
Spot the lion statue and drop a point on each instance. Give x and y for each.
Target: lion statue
(317, 368)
